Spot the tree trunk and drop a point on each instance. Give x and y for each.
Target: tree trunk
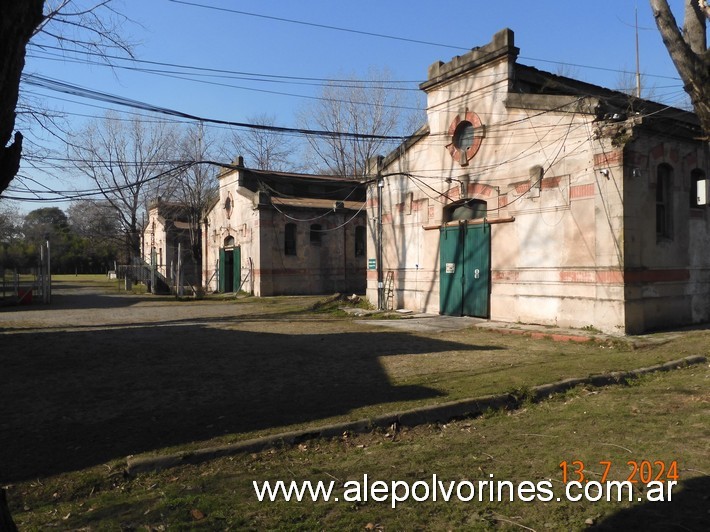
(688, 50)
(18, 21)
(6, 522)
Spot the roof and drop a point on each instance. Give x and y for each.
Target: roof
(531, 87)
(312, 203)
(170, 210)
(304, 186)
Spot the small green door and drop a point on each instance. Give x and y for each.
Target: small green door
(230, 269)
(464, 273)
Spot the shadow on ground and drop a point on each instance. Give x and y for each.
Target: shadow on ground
(74, 399)
(688, 509)
(68, 298)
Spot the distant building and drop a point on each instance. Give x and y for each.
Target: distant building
(531, 197)
(277, 233)
(167, 232)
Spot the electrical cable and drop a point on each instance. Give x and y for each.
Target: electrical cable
(75, 90)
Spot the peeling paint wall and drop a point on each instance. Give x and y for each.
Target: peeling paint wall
(324, 261)
(571, 224)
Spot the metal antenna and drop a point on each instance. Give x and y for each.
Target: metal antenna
(638, 62)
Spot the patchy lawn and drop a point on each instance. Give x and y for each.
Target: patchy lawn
(661, 418)
(97, 377)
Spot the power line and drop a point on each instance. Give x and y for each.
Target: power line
(321, 26)
(217, 72)
(75, 90)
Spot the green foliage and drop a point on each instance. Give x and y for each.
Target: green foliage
(72, 249)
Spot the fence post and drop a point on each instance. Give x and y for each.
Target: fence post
(179, 271)
(49, 275)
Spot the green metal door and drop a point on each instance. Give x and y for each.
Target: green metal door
(230, 269)
(222, 272)
(464, 272)
(477, 270)
(450, 271)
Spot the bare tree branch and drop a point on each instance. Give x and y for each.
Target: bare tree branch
(688, 50)
(363, 109)
(130, 161)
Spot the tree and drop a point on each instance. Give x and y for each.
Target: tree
(362, 107)
(18, 21)
(98, 227)
(9, 227)
(131, 160)
(48, 224)
(196, 186)
(262, 148)
(90, 26)
(688, 50)
(11, 245)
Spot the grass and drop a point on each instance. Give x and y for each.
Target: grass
(133, 375)
(94, 280)
(662, 418)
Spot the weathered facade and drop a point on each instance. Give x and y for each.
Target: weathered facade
(168, 239)
(531, 197)
(275, 233)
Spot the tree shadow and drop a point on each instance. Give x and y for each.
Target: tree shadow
(76, 399)
(687, 510)
(65, 299)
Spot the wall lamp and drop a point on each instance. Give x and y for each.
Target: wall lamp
(463, 184)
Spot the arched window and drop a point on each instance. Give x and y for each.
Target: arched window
(229, 242)
(664, 202)
(696, 176)
(471, 209)
(290, 239)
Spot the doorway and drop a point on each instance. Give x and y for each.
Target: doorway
(465, 270)
(230, 267)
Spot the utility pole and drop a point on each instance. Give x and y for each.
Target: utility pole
(49, 274)
(380, 283)
(638, 60)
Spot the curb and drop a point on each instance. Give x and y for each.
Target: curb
(444, 412)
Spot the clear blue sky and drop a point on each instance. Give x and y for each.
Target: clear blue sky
(551, 34)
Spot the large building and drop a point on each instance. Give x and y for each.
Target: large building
(276, 233)
(532, 197)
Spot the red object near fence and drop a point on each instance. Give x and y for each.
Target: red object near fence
(24, 296)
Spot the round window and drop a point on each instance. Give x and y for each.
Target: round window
(228, 205)
(464, 135)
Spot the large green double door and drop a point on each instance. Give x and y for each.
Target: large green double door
(465, 270)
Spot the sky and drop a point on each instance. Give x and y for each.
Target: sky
(282, 40)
